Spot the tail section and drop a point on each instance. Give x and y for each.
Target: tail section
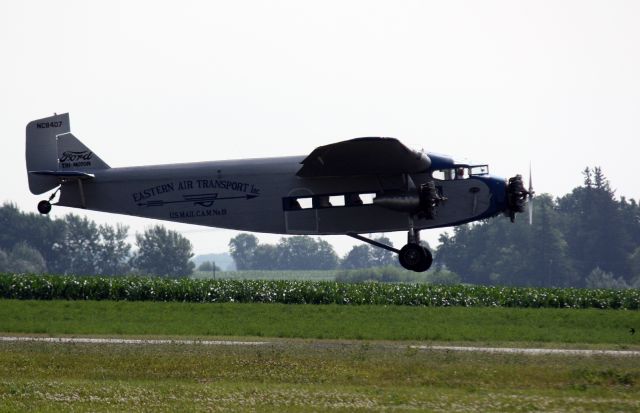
(54, 154)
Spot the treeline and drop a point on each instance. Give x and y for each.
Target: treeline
(302, 252)
(587, 238)
(33, 243)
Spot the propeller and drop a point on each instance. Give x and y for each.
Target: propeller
(530, 196)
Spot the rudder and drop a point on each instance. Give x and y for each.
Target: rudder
(53, 153)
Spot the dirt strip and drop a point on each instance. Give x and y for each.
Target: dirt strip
(320, 343)
(533, 351)
(89, 340)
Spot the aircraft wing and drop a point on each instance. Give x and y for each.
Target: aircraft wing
(363, 156)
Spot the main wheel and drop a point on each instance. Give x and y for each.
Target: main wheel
(44, 207)
(414, 257)
(428, 260)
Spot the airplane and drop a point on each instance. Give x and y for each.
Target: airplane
(353, 187)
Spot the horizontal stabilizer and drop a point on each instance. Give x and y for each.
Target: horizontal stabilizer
(64, 174)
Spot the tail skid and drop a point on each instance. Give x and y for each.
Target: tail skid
(55, 156)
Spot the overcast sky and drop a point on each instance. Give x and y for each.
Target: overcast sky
(556, 83)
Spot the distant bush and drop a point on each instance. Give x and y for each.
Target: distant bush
(208, 266)
(393, 274)
(602, 279)
(22, 259)
(49, 287)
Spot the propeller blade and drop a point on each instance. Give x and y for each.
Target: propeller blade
(530, 196)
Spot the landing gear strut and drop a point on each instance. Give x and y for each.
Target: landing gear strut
(412, 256)
(44, 206)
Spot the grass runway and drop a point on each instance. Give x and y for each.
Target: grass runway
(329, 358)
(367, 322)
(303, 376)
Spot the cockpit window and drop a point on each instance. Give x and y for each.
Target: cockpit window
(479, 170)
(460, 172)
(451, 174)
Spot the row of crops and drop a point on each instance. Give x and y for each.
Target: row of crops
(40, 287)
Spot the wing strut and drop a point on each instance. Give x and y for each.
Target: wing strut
(372, 242)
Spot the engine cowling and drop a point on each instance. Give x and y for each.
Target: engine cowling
(421, 202)
(516, 196)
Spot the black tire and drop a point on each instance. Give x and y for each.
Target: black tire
(426, 264)
(44, 207)
(412, 257)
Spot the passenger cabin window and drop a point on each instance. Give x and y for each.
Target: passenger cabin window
(305, 203)
(295, 203)
(337, 200)
(367, 199)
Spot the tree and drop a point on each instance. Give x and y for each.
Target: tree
(498, 252)
(39, 232)
(292, 253)
(26, 259)
(381, 257)
(4, 261)
(595, 229)
(265, 257)
(163, 252)
(600, 279)
(634, 264)
(78, 248)
(358, 257)
(208, 266)
(546, 260)
(22, 259)
(113, 252)
(241, 248)
(367, 256)
(305, 253)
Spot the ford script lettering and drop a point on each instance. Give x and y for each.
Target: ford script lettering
(70, 156)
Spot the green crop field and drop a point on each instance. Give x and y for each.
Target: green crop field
(319, 275)
(21, 286)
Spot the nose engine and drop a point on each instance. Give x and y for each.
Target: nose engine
(517, 197)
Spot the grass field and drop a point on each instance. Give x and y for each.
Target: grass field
(305, 377)
(483, 324)
(365, 362)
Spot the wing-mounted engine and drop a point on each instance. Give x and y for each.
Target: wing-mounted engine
(421, 201)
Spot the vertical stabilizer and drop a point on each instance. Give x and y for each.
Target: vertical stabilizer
(54, 154)
(42, 150)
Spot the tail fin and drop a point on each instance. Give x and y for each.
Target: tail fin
(53, 154)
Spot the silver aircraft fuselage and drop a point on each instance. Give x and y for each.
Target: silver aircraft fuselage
(253, 195)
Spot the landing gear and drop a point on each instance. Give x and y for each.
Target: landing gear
(44, 207)
(413, 256)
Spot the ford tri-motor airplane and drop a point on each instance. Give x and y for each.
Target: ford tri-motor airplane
(353, 187)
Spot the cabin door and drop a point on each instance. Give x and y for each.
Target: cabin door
(303, 218)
